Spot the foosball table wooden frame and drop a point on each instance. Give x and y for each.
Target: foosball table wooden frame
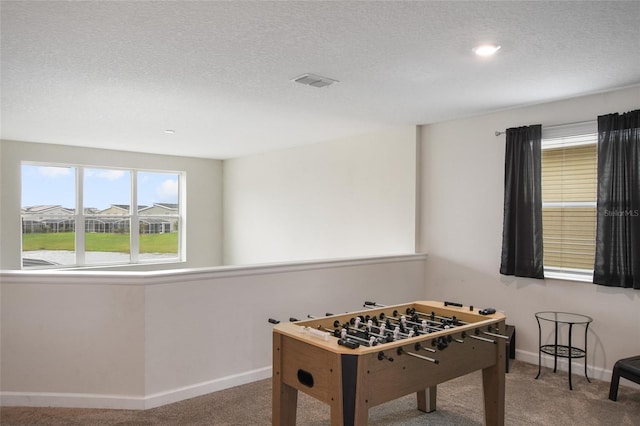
(308, 358)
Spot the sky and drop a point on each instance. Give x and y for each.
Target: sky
(44, 185)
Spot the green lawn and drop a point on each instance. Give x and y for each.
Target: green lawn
(149, 243)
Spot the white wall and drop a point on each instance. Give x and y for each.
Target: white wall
(204, 208)
(71, 336)
(142, 339)
(462, 201)
(348, 197)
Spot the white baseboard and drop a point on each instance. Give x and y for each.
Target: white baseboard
(71, 400)
(191, 391)
(126, 402)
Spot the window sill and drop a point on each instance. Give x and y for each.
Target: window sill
(569, 274)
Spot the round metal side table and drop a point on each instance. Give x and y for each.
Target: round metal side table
(563, 351)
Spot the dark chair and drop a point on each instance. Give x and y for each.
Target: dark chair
(629, 368)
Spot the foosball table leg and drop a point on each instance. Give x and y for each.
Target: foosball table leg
(493, 387)
(427, 399)
(285, 403)
(284, 397)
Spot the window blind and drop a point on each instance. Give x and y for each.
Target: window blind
(569, 184)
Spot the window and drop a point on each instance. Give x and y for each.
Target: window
(77, 216)
(569, 196)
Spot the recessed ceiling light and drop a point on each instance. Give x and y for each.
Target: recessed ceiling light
(486, 49)
(169, 131)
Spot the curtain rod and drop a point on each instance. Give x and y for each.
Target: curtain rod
(498, 133)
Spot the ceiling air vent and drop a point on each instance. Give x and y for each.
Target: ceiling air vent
(314, 80)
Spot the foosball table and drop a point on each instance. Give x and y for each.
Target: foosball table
(361, 359)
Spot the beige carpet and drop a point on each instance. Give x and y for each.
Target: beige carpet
(545, 402)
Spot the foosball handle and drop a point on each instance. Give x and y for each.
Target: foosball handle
(382, 356)
(349, 343)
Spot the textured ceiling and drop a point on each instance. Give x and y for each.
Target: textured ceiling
(117, 74)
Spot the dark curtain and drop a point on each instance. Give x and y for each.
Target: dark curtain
(617, 261)
(522, 224)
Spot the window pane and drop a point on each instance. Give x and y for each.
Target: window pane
(158, 238)
(48, 215)
(159, 215)
(107, 201)
(107, 239)
(107, 191)
(569, 236)
(569, 174)
(569, 183)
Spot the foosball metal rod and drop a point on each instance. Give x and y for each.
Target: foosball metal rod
(386, 330)
(418, 347)
(425, 358)
(483, 339)
(348, 336)
(501, 336)
(440, 317)
(399, 320)
(419, 324)
(357, 324)
(365, 330)
(368, 331)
